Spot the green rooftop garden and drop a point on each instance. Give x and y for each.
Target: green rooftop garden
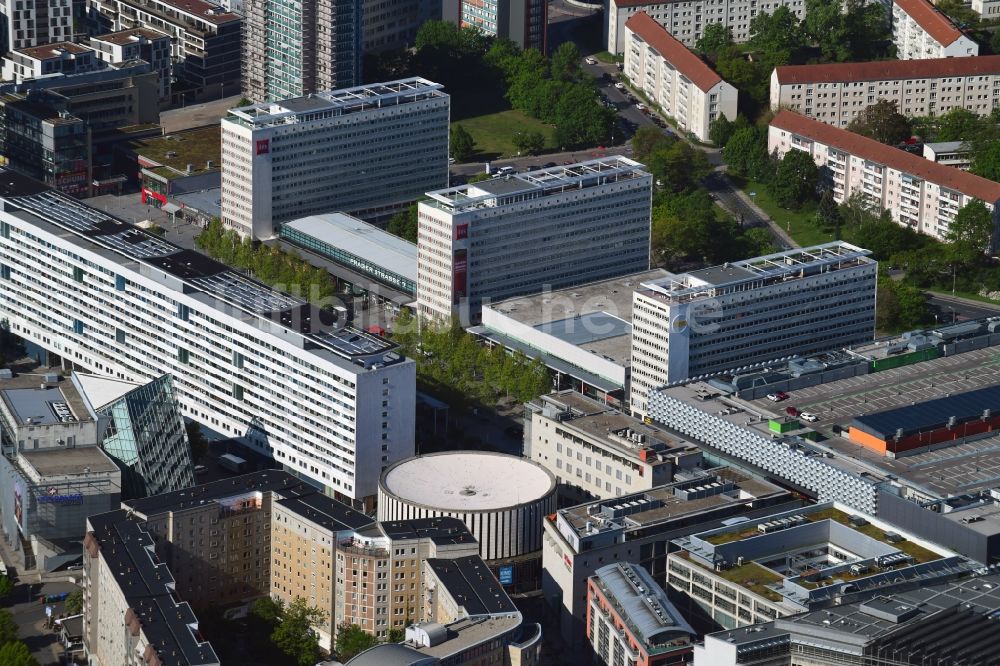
(916, 551)
(195, 147)
(755, 578)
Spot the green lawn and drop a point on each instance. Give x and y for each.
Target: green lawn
(493, 133)
(800, 224)
(605, 56)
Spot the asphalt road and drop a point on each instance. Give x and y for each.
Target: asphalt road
(948, 309)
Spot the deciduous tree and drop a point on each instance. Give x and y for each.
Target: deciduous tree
(461, 144)
(970, 233)
(883, 122)
(795, 180)
(351, 641)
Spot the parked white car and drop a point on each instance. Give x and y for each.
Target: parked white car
(620, 85)
(808, 416)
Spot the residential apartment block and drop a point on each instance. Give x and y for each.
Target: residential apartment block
(380, 572)
(630, 619)
(470, 622)
(920, 31)
(333, 405)
(726, 317)
(512, 235)
(638, 528)
(205, 39)
(29, 23)
(836, 93)
(367, 150)
(33, 62)
(523, 22)
(293, 48)
(919, 193)
(687, 20)
(596, 452)
(146, 44)
(131, 612)
(677, 80)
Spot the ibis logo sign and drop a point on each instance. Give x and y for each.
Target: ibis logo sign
(263, 146)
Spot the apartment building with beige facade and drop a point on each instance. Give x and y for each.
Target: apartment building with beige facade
(836, 93)
(920, 31)
(686, 20)
(266, 533)
(596, 452)
(379, 569)
(681, 83)
(919, 193)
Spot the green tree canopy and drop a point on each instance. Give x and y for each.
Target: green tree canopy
(746, 155)
(294, 634)
(16, 653)
(461, 144)
(8, 627)
(530, 142)
(970, 233)
(986, 158)
(565, 62)
(7, 588)
(883, 122)
(404, 224)
(777, 36)
(828, 214)
(351, 641)
(959, 124)
(795, 180)
(714, 38)
(74, 602)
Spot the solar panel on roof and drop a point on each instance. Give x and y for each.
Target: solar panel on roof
(246, 293)
(931, 414)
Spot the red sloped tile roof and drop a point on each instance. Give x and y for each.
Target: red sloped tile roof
(869, 149)
(934, 23)
(687, 63)
(883, 70)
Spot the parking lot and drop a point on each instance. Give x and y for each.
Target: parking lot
(839, 402)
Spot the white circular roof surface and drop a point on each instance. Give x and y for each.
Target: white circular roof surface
(468, 481)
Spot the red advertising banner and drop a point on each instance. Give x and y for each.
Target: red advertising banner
(263, 146)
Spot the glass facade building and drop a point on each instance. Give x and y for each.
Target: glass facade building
(144, 434)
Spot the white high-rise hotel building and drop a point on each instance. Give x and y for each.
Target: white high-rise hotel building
(513, 235)
(333, 406)
(365, 150)
(722, 318)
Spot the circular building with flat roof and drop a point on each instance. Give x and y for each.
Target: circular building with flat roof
(502, 499)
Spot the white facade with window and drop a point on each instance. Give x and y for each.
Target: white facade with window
(836, 93)
(919, 193)
(920, 31)
(726, 317)
(515, 235)
(366, 150)
(32, 23)
(332, 406)
(687, 20)
(680, 83)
